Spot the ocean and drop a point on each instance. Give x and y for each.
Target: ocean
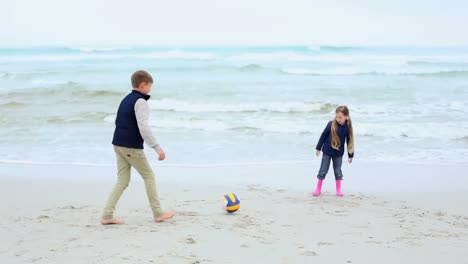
(236, 105)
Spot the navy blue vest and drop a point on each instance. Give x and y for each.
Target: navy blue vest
(126, 132)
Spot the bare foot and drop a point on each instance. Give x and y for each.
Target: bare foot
(165, 216)
(112, 221)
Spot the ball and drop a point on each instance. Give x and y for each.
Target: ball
(230, 203)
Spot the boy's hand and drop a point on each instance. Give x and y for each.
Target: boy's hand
(350, 160)
(317, 152)
(161, 154)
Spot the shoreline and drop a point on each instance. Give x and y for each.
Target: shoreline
(367, 177)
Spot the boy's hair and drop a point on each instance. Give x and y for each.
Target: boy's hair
(335, 142)
(139, 77)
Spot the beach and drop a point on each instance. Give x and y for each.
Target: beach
(241, 98)
(50, 214)
(242, 119)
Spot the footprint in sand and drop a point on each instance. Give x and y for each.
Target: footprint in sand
(21, 253)
(188, 214)
(69, 207)
(374, 242)
(440, 213)
(257, 187)
(190, 241)
(309, 253)
(459, 223)
(325, 244)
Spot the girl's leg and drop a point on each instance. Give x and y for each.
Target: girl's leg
(337, 162)
(324, 166)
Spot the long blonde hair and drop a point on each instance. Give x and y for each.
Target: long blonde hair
(335, 142)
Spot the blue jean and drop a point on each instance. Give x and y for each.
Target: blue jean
(337, 161)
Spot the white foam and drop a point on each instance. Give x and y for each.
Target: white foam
(174, 54)
(44, 82)
(61, 57)
(335, 71)
(110, 118)
(282, 107)
(176, 165)
(97, 49)
(314, 48)
(194, 124)
(291, 56)
(411, 130)
(178, 54)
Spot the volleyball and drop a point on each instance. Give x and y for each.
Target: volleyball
(230, 203)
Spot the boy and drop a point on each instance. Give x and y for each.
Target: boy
(131, 130)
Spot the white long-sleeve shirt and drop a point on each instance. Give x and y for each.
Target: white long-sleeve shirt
(142, 113)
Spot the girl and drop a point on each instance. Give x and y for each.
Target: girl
(332, 141)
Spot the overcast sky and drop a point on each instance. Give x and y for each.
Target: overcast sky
(235, 22)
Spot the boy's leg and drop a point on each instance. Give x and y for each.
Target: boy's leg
(137, 159)
(324, 166)
(337, 162)
(123, 172)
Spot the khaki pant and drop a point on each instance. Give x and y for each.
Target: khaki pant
(126, 159)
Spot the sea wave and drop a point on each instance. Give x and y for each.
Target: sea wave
(12, 104)
(99, 49)
(339, 48)
(398, 132)
(440, 74)
(65, 88)
(86, 117)
(38, 78)
(58, 57)
(352, 72)
(178, 54)
(279, 107)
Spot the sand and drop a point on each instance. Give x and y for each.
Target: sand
(49, 215)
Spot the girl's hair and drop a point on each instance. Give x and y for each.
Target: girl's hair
(335, 142)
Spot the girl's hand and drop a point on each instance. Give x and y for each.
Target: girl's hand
(317, 152)
(350, 160)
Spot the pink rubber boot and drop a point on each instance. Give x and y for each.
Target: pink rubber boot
(318, 190)
(338, 188)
